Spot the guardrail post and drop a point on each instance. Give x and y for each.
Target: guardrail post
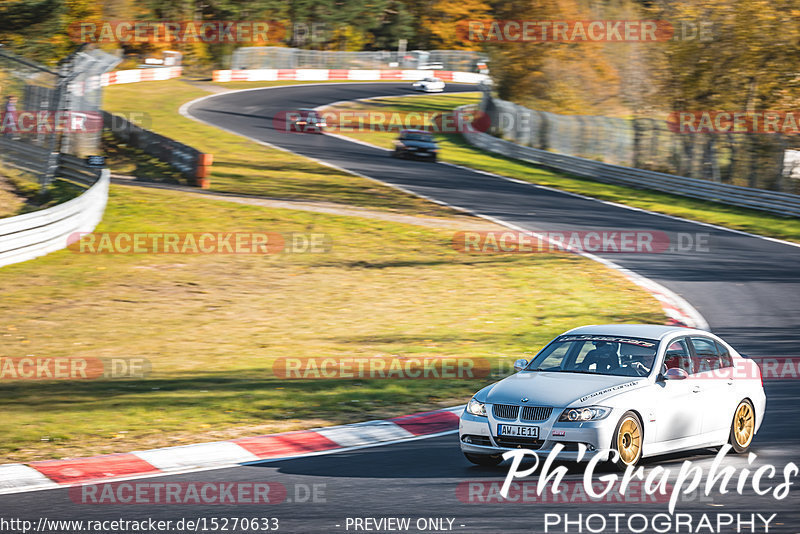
(50, 172)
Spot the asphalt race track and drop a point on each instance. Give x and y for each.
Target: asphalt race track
(747, 288)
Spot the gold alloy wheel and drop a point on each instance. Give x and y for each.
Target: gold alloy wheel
(743, 425)
(629, 441)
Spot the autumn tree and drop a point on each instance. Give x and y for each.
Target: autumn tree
(748, 59)
(441, 21)
(38, 29)
(572, 77)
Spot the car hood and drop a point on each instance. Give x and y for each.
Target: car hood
(560, 389)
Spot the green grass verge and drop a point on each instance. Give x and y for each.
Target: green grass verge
(455, 150)
(212, 325)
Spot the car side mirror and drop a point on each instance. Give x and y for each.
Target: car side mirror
(520, 364)
(675, 373)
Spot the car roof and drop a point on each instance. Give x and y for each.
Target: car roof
(649, 331)
(306, 109)
(415, 131)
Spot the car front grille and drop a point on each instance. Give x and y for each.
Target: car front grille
(529, 413)
(505, 411)
(517, 442)
(536, 413)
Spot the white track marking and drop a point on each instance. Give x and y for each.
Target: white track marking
(199, 455)
(15, 478)
(365, 433)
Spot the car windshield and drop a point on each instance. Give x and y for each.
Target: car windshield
(597, 354)
(415, 136)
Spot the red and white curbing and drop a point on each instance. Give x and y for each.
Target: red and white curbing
(17, 478)
(321, 75)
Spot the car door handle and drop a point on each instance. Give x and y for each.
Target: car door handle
(696, 389)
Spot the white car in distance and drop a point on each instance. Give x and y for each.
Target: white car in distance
(429, 85)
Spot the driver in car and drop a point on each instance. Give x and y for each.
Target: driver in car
(604, 357)
(638, 358)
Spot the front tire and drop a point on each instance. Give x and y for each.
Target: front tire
(483, 459)
(627, 441)
(743, 427)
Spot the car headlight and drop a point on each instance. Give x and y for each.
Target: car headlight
(590, 413)
(476, 408)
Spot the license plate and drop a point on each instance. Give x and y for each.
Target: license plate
(518, 431)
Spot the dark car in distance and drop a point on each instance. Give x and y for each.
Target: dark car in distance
(415, 144)
(307, 120)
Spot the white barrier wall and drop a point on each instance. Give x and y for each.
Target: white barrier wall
(271, 75)
(140, 75)
(35, 234)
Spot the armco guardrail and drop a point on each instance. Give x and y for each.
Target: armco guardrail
(193, 164)
(35, 234)
(771, 201)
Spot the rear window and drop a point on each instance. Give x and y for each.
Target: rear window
(724, 355)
